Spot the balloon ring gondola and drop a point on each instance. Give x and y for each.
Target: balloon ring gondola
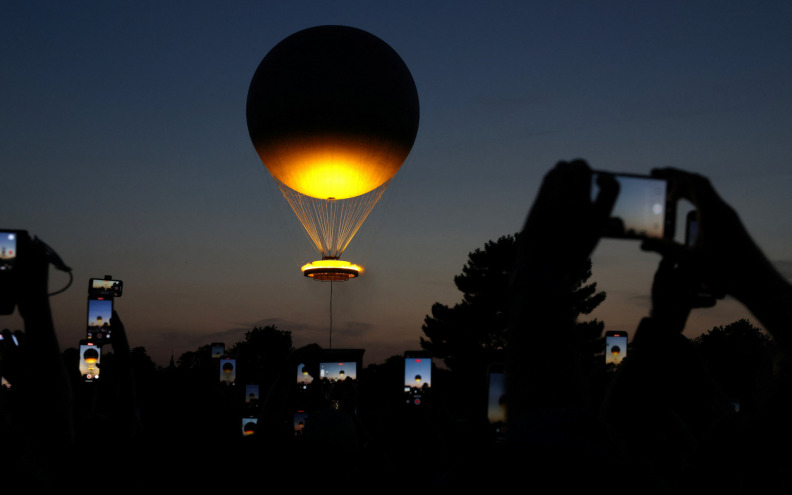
(331, 270)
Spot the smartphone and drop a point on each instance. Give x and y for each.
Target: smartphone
(702, 294)
(8, 250)
(496, 398)
(218, 349)
(90, 356)
(228, 370)
(304, 378)
(249, 426)
(643, 208)
(615, 347)
(105, 288)
(300, 416)
(691, 229)
(251, 394)
(10, 243)
(99, 313)
(417, 376)
(336, 372)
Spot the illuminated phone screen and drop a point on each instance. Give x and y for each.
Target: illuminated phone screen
(101, 288)
(615, 347)
(228, 370)
(8, 250)
(99, 313)
(335, 372)
(90, 357)
(641, 207)
(249, 426)
(303, 377)
(417, 374)
(496, 406)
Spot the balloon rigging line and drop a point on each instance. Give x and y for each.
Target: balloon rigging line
(330, 346)
(331, 224)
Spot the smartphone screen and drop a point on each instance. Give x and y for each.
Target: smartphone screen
(103, 288)
(8, 250)
(249, 426)
(642, 208)
(99, 313)
(90, 356)
(251, 394)
(300, 416)
(417, 378)
(336, 372)
(303, 377)
(615, 347)
(228, 370)
(218, 349)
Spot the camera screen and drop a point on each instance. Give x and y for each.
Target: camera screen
(303, 377)
(228, 370)
(496, 406)
(640, 209)
(615, 347)
(251, 394)
(99, 313)
(104, 288)
(8, 250)
(90, 355)
(417, 374)
(218, 349)
(249, 426)
(335, 372)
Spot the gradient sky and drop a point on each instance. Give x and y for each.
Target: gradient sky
(123, 145)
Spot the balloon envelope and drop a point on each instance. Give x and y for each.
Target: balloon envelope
(332, 112)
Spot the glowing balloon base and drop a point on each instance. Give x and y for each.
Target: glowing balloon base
(331, 270)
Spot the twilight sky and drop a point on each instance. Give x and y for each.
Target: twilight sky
(123, 145)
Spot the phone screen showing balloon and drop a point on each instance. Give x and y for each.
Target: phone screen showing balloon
(496, 393)
(642, 209)
(338, 371)
(615, 347)
(99, 313)
(90, 357)
(228, 371)
(8, 250)
(417, 378)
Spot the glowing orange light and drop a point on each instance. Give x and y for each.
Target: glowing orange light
(337, 167)
(336, 270)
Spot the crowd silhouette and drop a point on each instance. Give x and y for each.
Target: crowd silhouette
(660, 422)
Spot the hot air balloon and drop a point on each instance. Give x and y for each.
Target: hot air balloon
(91, 355)
(616, 354)
(333, 113)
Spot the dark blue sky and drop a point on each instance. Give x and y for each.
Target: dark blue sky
(124, 145)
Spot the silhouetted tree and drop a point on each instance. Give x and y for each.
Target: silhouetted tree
(739, 356)
(261, 355)
(472, 334)
(199, 358)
